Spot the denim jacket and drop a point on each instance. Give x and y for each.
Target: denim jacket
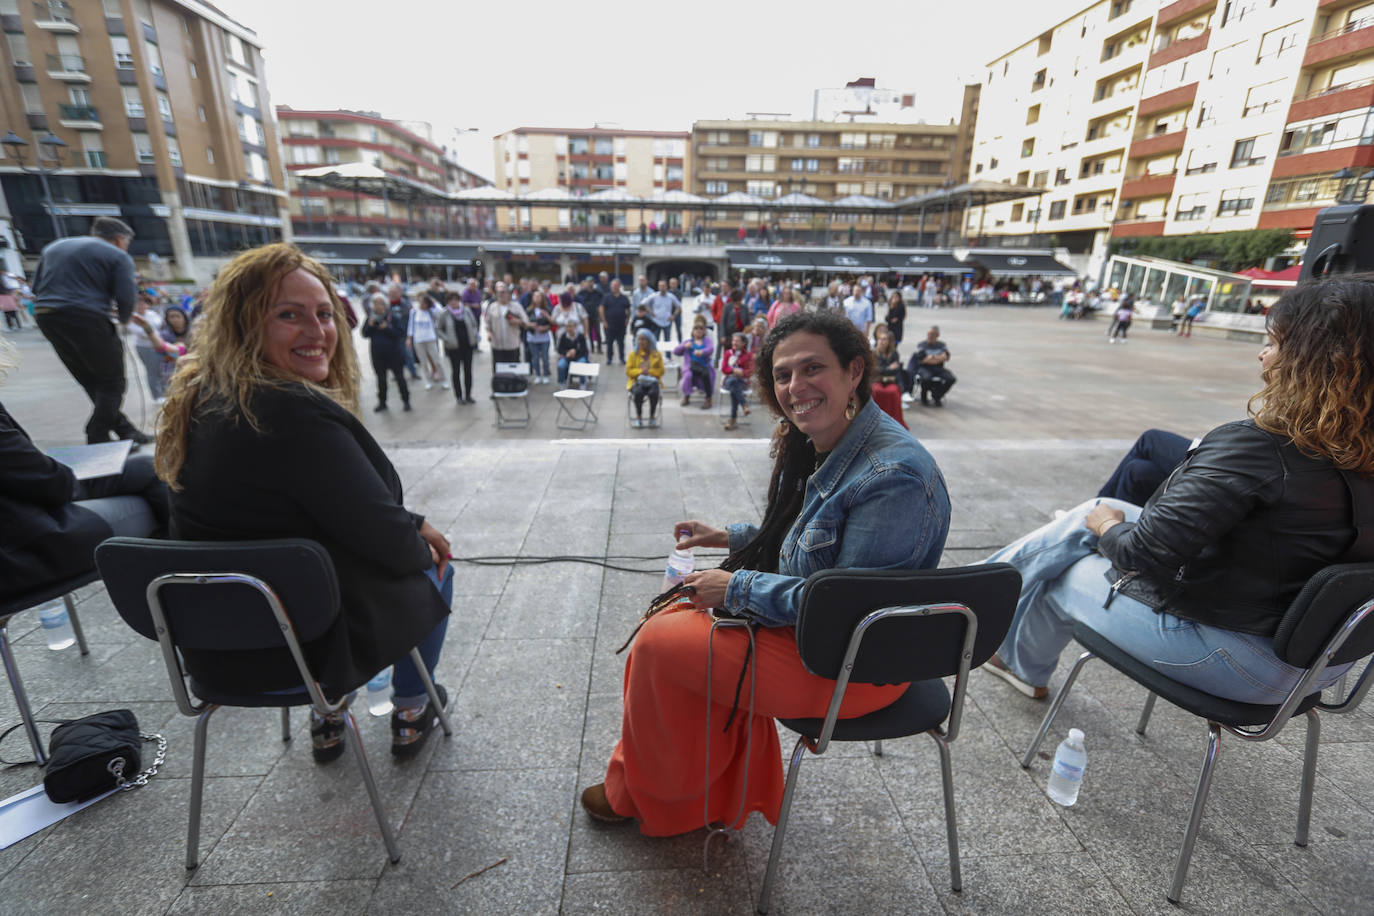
(878, 502)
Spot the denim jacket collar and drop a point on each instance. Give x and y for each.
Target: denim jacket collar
(828, 477)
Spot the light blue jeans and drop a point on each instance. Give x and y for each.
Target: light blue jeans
(1063, 580)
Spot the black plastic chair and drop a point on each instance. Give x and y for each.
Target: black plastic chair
(24, 602)
(208, 596)
(887, 627)
(1331, 622)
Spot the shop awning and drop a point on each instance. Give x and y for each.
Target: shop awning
(769, 259)
(920, 262)
(1019, 264)
(436, 253)
(341, 253)
(849, 262)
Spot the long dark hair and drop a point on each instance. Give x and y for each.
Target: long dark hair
(794, 457)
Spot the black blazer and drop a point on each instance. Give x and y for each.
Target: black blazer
(311, 470)
(44, 537)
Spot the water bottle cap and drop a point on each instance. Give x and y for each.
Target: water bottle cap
(1076, 735)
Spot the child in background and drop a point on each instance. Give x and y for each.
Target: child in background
(736, 365)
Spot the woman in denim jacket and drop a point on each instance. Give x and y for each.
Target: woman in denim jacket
(850, 489)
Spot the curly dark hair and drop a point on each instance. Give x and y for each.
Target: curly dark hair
(1319, 388)
(794, 457)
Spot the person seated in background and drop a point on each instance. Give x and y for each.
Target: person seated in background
(736, 365)
(50, 522)
(260, 439)
(887, 388)
(572, 348)
(1195, 583)
(697, 371)
(927, 368)
(644, 374)
(1150, 460)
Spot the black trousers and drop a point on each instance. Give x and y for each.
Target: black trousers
(137, 479)
(935, 380)
(88, 345)
(461, 359)
(615, 337)
(395, 363)
(499, 355)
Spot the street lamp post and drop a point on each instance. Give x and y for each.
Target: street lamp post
(49, 150)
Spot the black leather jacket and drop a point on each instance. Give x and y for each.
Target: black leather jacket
(1234, 533)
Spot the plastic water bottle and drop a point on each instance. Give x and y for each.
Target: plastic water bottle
(680, 563)
(57, 626)
(379, 694)
(1066, 776)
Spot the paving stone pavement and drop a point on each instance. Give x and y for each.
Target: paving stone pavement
(1041, 413)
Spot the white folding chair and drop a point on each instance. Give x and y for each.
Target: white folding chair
(506, 419)
(582, 397)
(670, 361)
(723, 403)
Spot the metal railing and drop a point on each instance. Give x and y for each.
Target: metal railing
(78, 113)
(66, 63)
(1339, 87)
(53, 11)
(1352, 26)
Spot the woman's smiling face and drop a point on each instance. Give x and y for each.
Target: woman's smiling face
(812, 388)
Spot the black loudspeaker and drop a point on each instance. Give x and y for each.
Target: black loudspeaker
(1342, 242)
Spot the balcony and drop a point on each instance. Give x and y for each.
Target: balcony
(1350, 41)
(1145, 186)
(1181, 9)
(1181, 97)
(69, 68)
(1158, 145)
(55, 16)
(1133, 228)
(1179, 50)
(1325, 160)
(1333, 99)
(78, 117)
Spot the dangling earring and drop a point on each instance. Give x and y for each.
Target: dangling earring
(851, 409)
(784, 427)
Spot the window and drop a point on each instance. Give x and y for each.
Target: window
(1017, 212)
(1042, 179)
(761, 188)
(1084, 203)
(1191, 207)
(813, 140)
(1023, 178)
(1328, 132)
(621, 172)
(1038, 81)
(992, 163)
(143, 11)
(1236, 201)
(174, 151)
(603, 146)
(1236, 10)
(798, 165)
(1266, 97)
(112, 9)
(1244, 154)
(195, 74)
(674, 173)
(1061, 176)
(522, 168)
(256, 165)
(763, 138)
(79, 95)
(304, 155)
(1057, 209)
(577, 146)
(19, 49)
(164, 106)
(716, 138)
(1033, 114)
(1027, 147)
(95, 152)
(123, 52)
(1280, 40)
(760, 163)
(853, 141)
(33, 102)
(143, 148)
(200, 110)
(154, 57)
(813, 165)
(717, 187)
(133, 102)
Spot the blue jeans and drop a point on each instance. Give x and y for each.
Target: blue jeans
(407, 690)
(739, 390)
(1063, 581)
(1150, 461)
(563, 368)
(539, 358)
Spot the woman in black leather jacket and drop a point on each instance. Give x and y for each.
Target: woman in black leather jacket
(1195, 583)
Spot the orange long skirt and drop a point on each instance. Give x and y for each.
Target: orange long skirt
(658, 771)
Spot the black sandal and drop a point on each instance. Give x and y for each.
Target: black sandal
(410, 728)
(326, 736)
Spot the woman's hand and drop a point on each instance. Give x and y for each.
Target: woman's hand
(1101, 518)
(696, 534)
(438, 546)
(710, 586)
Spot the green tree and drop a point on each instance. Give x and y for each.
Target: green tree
(1231, 251)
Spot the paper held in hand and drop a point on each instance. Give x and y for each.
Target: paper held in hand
(103, 459)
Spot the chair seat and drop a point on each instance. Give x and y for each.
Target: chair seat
(43, 594)
(924, 706)
(574, 394)
(294, 696)
(1213, 708)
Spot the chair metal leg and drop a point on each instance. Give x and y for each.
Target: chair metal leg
(1145, 714)
(76, 624)
(1054, 709)
(1204, 783)
(21, 699)
(429, 689)
(356, 743)
(286, 724)
(956, 882)
(197, 788)
(878, 748)
(1309, 776)
(793, 768)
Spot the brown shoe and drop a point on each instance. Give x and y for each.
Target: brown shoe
(998, 668)
(599, 806)
(687, 400)
(707, 405)
(731, 424)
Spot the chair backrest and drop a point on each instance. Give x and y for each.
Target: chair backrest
(511, 368)
(834, 601)
(222, 617)
(1321, 609)
(588, 371)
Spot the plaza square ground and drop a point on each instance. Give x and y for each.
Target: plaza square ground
(1041, 413)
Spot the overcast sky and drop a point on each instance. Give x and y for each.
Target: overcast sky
(497, 65)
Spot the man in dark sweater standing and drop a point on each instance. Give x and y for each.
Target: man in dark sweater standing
(615, 314)
(74, 285)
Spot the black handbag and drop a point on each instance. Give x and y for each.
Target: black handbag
(94, 754)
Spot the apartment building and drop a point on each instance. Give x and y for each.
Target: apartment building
(1194, 116)
(829, 160)
(576, 163)
(162, 111)
(404, 150)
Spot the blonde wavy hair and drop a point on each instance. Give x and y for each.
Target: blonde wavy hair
(1319, 387)
(226, 366)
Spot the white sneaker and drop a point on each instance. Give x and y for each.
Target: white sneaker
(428, 385)
(907, 399)
(445, 385)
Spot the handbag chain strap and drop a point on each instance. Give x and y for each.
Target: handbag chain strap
(116, 766)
